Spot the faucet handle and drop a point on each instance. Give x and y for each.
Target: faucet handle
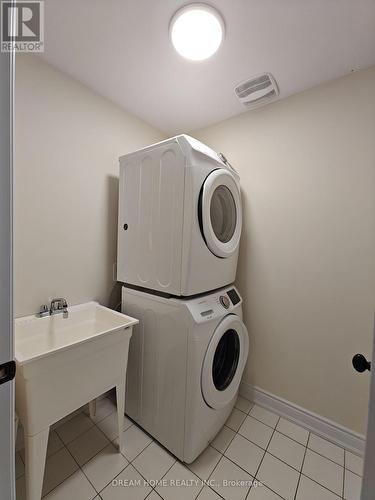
(43, 311)
(58, 304)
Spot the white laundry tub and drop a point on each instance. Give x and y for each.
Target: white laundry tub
(63, 363)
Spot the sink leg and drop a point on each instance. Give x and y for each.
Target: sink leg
(35, 454)
(92, 408)
(120, 399)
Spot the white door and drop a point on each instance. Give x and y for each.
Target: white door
(224, 362)
(368, 484)
(7, 479)
(221, 213)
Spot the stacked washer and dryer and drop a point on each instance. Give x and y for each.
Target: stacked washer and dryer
(179, 230)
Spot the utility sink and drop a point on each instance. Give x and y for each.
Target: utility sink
(62, 364)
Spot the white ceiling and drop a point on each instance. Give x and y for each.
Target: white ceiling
(121, 49)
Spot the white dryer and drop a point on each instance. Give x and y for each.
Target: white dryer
(186, 359)
(180, 218)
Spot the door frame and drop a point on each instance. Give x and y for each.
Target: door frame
(368, 482)
(7, 412)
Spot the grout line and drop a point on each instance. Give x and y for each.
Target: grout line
(213, 470)
(343, 476)
(260, 463)
(323, 456)
(67, 477)
(117, 475)
(256, 444)
(303, 462)
(80, 468)
(145, 448)
(321, 485)
(109, 482)
(227, 446)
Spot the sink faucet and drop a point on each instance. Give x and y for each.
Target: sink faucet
(57, 306)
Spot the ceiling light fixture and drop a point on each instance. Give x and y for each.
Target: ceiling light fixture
(196, 31)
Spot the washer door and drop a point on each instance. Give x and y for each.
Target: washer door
(224, 362)
(221, 213)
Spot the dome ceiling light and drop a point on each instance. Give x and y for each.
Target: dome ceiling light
(196, 31)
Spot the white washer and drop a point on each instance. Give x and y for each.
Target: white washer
(186, 359)
(180, 218)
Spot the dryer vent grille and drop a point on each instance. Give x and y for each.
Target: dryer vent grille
(261, 89)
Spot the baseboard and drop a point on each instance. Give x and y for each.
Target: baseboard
(328, 429)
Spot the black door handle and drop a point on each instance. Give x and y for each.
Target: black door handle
(7, 372)
(360, 363)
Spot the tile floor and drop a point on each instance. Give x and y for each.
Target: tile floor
(292, 463)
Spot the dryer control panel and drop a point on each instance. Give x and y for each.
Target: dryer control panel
(219, 303)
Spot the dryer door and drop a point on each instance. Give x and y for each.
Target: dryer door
(220, 213)
(224, 362)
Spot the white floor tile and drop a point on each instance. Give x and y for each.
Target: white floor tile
(208, 494)
(278, 476)
(292, 430)
(265, 416)
(287, 450)
(181, 484)
(354, 463)
(20, 468)
(327, 449)
(135, 440)
(243, 404)
(223, 439)
(227, 472)
(87, 445)
(310, 490)
(153, 462)
(205, 463)
(128, 485)
(109, 425)
(76, 487)
(261, 492)
(74, 427)
(256, 431)
(104, 407)
(235, 419)
(245, 454)
(58, 467)
(104, 466)
(323, 471)
(352, 486)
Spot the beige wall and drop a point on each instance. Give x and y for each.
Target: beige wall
(68, 140)
(307, 262)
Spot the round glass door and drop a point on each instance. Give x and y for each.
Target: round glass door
(224, 362)
(221, 215)
(226, 359)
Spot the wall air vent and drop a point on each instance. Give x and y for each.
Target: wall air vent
(257, 91)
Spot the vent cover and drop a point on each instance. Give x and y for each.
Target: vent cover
(257, 91)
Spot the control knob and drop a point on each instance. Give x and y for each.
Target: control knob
(224, 301)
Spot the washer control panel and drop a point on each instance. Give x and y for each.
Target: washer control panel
(207, 307)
